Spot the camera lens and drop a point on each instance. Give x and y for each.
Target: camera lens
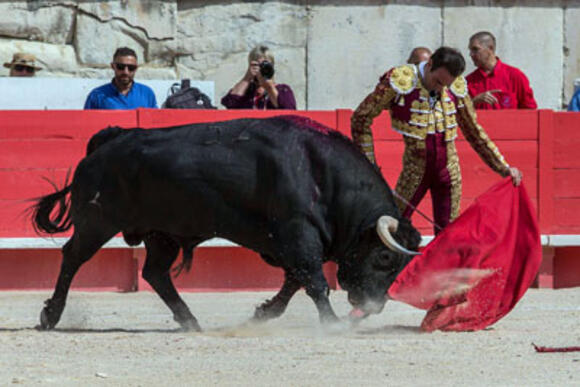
(267, 69)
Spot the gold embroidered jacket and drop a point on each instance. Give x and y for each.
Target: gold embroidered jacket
(401, 92)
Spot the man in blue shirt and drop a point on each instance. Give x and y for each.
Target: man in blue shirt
(574, 105)
(122, 92)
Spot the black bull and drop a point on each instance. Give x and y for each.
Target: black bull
(288, 188)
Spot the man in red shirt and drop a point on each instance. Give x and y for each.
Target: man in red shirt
(494, 84)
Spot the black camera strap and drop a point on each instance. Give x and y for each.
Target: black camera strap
(265, 100)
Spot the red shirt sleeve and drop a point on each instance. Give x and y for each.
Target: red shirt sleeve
(474, 84)
(525, 93)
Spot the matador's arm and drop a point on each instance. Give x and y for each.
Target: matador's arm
(377, 101)
(474, 133)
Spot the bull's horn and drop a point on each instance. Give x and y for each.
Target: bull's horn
(385, 225)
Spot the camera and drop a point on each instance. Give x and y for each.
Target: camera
(267, 69)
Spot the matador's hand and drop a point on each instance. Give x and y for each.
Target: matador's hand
(516, 176)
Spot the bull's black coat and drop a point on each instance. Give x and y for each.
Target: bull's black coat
(287, 187)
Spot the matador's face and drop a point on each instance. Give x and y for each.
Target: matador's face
(436, 80)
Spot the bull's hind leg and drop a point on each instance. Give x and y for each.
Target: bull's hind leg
(162, 251)
(277, 305)
(79, 249)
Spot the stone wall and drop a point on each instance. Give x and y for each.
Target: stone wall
(331, 52)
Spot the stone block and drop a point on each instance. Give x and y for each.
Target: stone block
(274, 23)
(96, 41)
(349, 48)
(147, 72)
(156, 19)
(97, 73)
(51, 23)
(163, 53)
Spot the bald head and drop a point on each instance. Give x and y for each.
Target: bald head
(418, 55)
(485, 38)
(482, 50)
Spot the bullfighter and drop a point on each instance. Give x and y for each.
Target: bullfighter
(427, 102)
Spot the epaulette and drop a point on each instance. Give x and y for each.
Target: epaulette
(459, 87)
(403, 79)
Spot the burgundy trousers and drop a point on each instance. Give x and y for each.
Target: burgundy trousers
(436, 179)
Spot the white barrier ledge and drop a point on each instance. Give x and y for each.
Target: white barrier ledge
(562, 240)
(118, 243)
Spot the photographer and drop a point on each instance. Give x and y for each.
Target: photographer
(257, 89)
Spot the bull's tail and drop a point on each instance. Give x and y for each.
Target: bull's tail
(44, 218)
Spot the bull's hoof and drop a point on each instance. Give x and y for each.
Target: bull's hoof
(189, 325)
(45, 323)
(259, 316)
(50, 314)
(269, 310)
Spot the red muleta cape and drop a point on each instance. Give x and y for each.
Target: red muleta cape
(476, 270)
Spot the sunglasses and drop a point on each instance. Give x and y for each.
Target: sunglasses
(123, 66)
(24, 68)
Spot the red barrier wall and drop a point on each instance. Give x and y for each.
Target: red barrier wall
(109, 269)
(35, 145)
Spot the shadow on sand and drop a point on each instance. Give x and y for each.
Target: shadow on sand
(246, 329)
(390, 329)
(93, 330)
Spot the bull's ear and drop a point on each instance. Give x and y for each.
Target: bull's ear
(408, 234)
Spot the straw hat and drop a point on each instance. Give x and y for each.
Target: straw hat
(23, 59)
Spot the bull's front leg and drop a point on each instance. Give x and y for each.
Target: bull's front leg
(305, 265)
(299, 252)
(312, 276)
(275, 306)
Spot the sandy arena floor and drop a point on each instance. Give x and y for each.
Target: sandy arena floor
(131, 340)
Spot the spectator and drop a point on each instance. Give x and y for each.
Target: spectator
(22, 65)
(494, 84)
(418, 55)
(574, 105)
(122, 92)
(257, 89)
(427, 104)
